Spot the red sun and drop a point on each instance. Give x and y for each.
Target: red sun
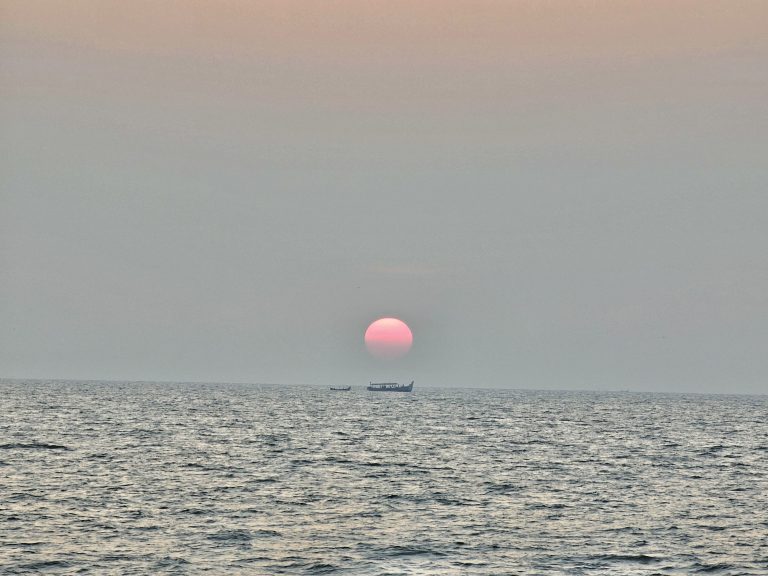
(388, 338)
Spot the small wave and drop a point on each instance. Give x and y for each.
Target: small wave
(169, 562)
(231, 536)
(32, 446)
(46, 564)
(337, 460)
(712, 450)
(710, 568)
(448, 501)
(502, 488)
(321, 568)
(205, 467)
(544, 506)
(100, 456)
(264, 480)
(412, 551)
(194, 511)
(638, 558)
(20, 544)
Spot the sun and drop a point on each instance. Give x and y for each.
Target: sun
(388, 338)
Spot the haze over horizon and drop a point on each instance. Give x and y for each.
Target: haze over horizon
(558, 194)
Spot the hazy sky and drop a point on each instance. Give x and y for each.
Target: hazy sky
(552, 193)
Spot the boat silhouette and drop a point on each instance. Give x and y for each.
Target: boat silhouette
(389, 387)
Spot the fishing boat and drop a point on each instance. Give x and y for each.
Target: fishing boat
(341, 388)
(389, 387)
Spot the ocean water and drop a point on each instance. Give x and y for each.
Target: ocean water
(138, 478)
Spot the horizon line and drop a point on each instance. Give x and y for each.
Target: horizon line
(316, 385)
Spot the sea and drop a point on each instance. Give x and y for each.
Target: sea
(165, 478)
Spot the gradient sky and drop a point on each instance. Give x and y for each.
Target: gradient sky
(552, 193)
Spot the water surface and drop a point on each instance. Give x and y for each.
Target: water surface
(142, 478)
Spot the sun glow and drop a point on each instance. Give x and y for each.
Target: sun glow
(388, 338)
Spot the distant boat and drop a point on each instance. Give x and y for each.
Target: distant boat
(389, 387)
(341, 388)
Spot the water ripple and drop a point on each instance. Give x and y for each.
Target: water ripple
(140, 478)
